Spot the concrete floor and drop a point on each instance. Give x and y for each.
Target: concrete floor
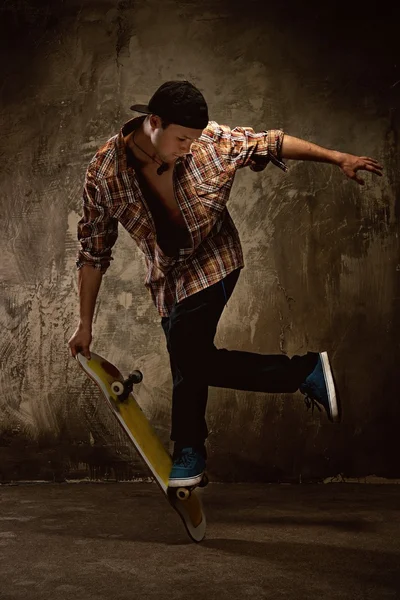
(91, 541)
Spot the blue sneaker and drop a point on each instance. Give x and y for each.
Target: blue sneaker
(319, 388)
(187, 468)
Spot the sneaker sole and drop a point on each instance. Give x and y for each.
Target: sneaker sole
(185, 482)
(330, 386)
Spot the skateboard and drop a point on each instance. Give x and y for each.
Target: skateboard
(118, 394)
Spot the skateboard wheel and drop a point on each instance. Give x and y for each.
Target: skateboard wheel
(183, 493)
(204, 481)
(118, 388)
(137, 376)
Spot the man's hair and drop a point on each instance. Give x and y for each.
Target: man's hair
(164, 122)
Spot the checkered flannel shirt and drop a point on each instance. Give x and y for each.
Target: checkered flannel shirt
(202, 183)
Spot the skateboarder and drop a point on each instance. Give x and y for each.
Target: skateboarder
(166, 178)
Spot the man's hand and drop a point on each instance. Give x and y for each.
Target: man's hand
(80, 341)
(350, 164)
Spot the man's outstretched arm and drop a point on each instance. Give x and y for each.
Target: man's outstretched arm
(297, 149)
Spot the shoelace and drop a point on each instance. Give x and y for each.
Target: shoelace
(310, 402)
(311, 397)
(185, 459)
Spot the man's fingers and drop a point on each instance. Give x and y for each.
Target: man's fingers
(370, 159)
(366, 164)
(73, 348)
(371, 162)
(374, 170)
(353, 175)
(86, 353)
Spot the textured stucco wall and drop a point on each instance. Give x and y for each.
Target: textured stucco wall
(322, 254)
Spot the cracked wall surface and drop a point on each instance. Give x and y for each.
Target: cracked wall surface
(322, 254)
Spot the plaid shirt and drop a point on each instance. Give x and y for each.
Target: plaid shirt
(202, 184)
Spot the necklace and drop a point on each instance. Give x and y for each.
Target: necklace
(162, 166)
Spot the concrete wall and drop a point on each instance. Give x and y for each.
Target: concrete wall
(322, 254)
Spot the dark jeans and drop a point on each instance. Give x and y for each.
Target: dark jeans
(196, 363)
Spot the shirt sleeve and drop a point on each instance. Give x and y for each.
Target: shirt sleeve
(243, 147)
(97, 230)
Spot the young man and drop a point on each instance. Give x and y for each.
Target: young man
(166, 177)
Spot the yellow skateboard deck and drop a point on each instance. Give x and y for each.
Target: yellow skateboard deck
(145, 440)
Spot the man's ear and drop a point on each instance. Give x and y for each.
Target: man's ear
(155, 122)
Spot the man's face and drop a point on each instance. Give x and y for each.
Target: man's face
(174, 141)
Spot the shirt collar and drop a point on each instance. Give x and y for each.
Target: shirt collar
(127, 128)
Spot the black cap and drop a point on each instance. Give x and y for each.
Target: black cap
(178, 102)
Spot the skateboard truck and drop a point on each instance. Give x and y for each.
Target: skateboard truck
(122, 389)
(183, 493)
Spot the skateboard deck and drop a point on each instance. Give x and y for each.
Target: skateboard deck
(145, 440)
